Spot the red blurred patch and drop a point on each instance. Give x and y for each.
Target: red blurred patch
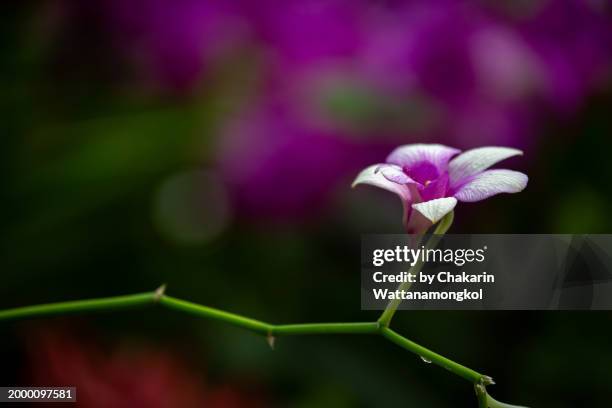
(124, 376)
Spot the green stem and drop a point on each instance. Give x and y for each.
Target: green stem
(450, 365)
(492, 403)
(158, 297)
(385, 318)
(79, 306)
(215, 314)
(325, 328)
(481, 394)
(443, 225)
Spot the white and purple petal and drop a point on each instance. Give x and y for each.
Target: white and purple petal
(373, 177)
(474, 161)
(395, 174)
(490, 183)
(408, 156)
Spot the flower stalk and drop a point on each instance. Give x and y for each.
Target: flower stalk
(441, 229)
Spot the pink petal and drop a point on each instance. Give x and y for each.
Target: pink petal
(411, 155)
(490, 183)
(474, 161)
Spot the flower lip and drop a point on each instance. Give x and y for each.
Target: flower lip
(424, 172)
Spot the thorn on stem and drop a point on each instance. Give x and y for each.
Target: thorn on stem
(271, 340)
(486, 380)
(159, 292)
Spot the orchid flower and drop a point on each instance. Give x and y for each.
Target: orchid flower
(429, 183)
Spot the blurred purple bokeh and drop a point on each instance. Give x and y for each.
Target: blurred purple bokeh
(337, 83)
